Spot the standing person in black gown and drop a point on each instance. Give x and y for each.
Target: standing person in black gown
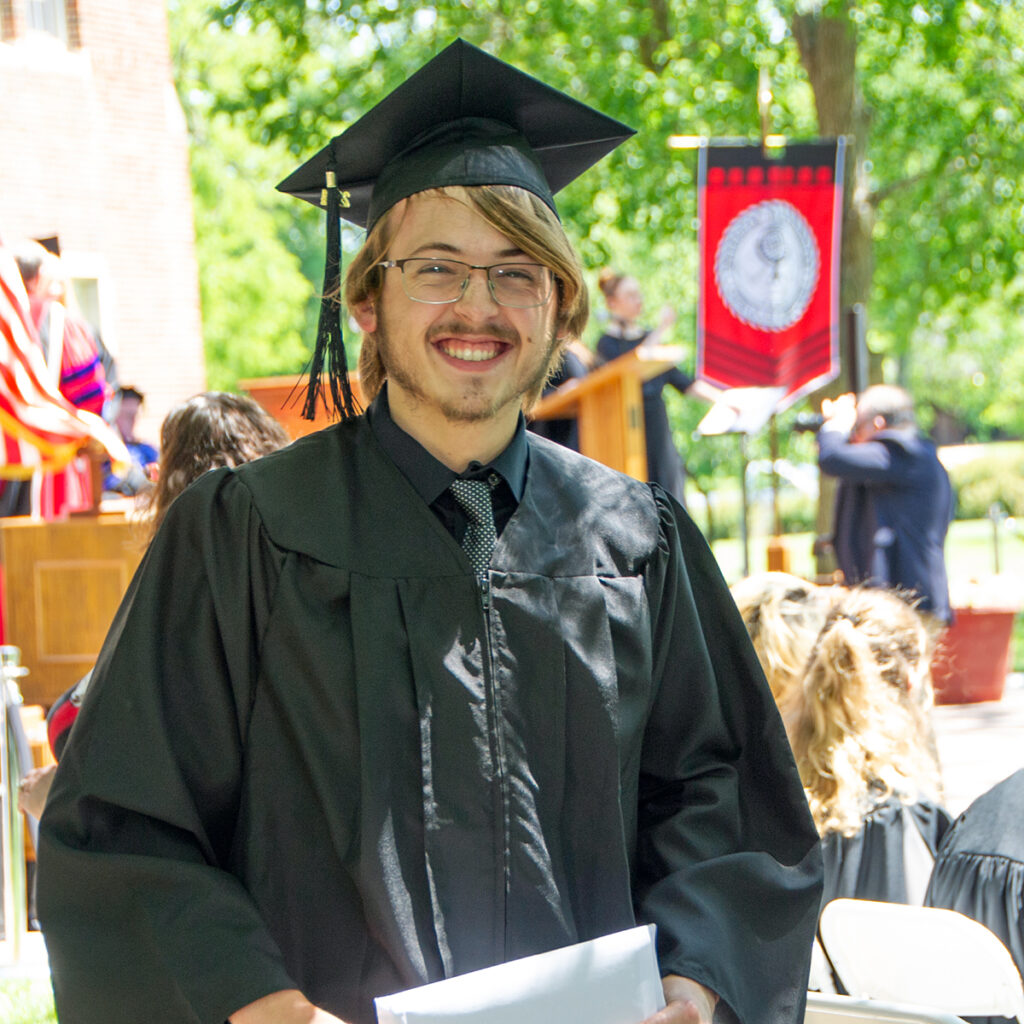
(423, 692)
(624, 333)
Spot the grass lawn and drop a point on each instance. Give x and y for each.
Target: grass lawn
(971, 554)
(26, 1002)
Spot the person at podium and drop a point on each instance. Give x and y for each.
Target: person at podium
(423, 692)
(623, 333)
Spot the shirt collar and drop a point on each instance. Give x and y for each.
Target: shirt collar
(627, 332)
(430, 477)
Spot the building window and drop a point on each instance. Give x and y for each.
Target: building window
(49, 16)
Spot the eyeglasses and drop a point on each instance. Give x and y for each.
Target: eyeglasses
(517, 285)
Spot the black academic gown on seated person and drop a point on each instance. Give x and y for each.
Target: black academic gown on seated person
(872, 863)
(312, 757)
(980, 867)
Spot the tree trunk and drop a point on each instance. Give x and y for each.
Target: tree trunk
(828, 52)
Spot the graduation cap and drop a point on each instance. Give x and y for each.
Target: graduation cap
(465, 118)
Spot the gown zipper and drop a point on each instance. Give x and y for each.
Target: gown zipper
(498, 748)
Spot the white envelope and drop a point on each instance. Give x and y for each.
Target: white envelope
(610, 980)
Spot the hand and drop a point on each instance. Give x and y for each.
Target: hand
(34, 788)
(688, 1002)
(289, 1006)
(840, 413)
(666, 318)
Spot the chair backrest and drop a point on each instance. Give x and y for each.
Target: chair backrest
(921, 956)
(824, 1008)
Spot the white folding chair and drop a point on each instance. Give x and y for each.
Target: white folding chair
(921, 956)
(823, 1008)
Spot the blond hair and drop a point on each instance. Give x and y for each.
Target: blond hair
(783, 615)
(523, 219)
(863, 731)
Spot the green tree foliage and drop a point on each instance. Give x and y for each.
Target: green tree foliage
(256, 292)
(932, 90)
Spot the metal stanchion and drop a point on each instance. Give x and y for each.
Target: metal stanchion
(12, 838)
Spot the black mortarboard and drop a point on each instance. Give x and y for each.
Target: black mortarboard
(465, 118)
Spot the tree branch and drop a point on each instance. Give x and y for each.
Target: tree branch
(940, 166)
(659, 33)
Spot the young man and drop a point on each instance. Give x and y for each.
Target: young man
(894, 502)
(422, 693)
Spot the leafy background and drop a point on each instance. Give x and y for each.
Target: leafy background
(928, 93)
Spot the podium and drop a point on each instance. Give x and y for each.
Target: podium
(609, 406)
(283, 397)
(63, 581)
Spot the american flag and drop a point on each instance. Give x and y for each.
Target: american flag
(41, 429)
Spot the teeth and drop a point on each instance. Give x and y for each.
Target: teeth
(470, 353)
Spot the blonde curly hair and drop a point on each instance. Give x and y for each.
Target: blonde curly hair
(783, 615)
(863, 730)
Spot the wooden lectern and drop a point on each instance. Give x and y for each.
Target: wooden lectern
(63, 581)
(283, 398)
(609, 406)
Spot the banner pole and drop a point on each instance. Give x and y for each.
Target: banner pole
(744, 525)
(778, 555)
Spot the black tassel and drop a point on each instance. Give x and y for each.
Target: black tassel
(329, 353)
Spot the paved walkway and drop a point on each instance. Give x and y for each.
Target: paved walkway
(980, 744)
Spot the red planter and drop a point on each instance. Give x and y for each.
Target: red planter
(972, 658)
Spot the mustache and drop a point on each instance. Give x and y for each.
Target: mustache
(455, 328)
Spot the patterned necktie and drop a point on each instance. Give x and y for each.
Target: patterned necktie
(474, 498)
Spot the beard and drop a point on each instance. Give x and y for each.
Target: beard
(477, 401)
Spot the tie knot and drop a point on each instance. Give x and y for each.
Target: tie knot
(474, 498)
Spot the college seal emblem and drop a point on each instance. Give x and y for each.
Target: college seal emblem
(767, 265)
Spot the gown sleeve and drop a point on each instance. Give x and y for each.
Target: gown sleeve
(870, 462)
(142, 918)
(679, 380)
(607, 348)
(728, 860)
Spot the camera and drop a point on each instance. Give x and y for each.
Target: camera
(808, 422)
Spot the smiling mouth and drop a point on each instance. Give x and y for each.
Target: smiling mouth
(478, 352)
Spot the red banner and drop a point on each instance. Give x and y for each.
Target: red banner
(768, 304)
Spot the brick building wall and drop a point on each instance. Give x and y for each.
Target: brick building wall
(94, 150)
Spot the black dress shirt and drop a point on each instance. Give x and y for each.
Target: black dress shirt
(431, 478)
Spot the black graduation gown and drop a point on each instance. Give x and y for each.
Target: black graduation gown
(870, 864)
(980, 868)
(314, 755)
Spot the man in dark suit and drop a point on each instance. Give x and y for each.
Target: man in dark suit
(894, 502)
